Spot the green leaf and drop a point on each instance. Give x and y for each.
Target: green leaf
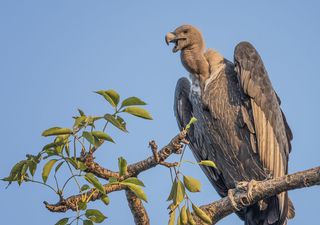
(32, 167)
(138, 191)
(67, 149)
(63, 221)
(102, 135)
(56, 131)
(113, 180)
(105, 199)
(201, 214)
(87, 222)
(192, 184)
(89, 137)
(47, 168)
(77, 164)
(122, 122)
(179, 220)
(115, 122)
(133, 180)
(173, 191)
(190, 218)
(180, 193)
(62, 138)
(172, 218)
(80, 122)
(15, 172)
(52, 145)
(81, 112)
(208, 163)
(84, 187)
(58, 166)
(95, 182)
(82, 166)
(132, 101)
(183, 215)
(73, 162)
(91, 119)
(122, 164)
(82, 205)
(95, 215)
(139, 112)
(111, 96)
(192, 121)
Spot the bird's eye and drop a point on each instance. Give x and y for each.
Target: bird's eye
(185, 31)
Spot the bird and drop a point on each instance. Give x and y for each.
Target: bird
(240, 124)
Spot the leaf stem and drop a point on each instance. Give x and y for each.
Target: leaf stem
(39, 182)
(65, 184)
(73, 175)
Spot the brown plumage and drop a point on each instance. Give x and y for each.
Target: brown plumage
(240, 124)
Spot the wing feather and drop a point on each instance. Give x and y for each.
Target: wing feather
(272, 131)
(198, 135)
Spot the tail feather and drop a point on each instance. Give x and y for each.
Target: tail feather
(291, 210)
(270, 215)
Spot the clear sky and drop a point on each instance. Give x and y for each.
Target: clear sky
(54, 54)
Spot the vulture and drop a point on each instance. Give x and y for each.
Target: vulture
(240, 125)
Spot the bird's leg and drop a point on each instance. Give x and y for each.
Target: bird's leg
(242, 185)
(246, 186)
(251, 185)
(231, 197)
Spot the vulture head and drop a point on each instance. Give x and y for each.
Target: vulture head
(185, 37)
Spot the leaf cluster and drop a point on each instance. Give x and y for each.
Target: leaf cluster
(70, 145)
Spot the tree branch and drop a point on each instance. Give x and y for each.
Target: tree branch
(63, 205)
(72, 202)
(138, 211)
(216, 210)
(261, 190)
(174, 146)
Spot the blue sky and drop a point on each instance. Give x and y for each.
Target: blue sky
(54, 54)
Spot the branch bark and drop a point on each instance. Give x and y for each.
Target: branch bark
(216, 210)
(261, 190)
(138, 211)
(72, 202)
(174, 146)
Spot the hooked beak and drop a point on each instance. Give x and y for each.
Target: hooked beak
(171, 37)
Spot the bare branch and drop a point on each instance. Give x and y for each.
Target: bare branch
(261, 190)
(174, 146)
(138, 211)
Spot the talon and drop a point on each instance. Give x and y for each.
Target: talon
(251, 184)
(233, 202)
(242, 185)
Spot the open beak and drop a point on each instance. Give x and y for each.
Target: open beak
(173, 38)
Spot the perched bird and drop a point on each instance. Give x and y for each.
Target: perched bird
(240, 126)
